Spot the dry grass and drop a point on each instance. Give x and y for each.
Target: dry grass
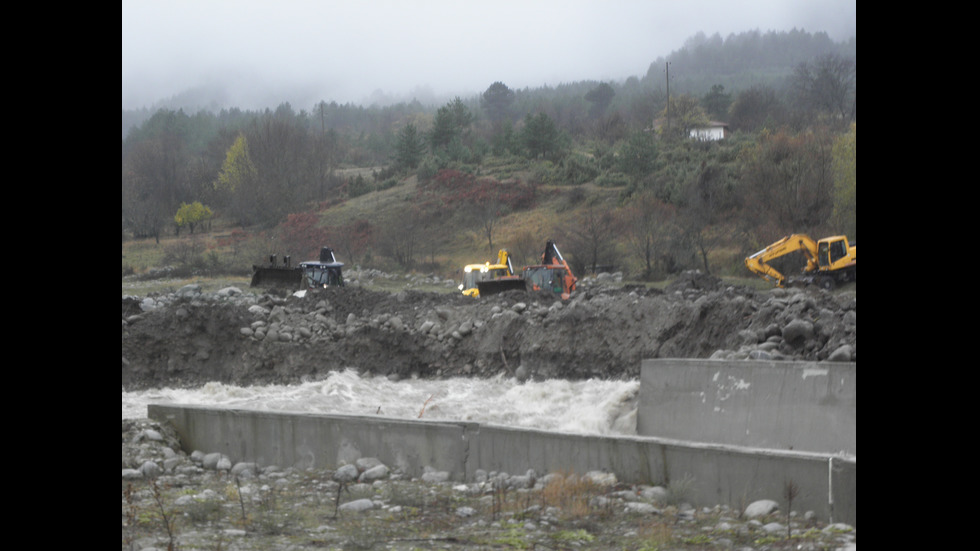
(571, 493)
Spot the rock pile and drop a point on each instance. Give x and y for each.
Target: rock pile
(603, 331)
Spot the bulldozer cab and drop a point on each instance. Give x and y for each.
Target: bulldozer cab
(319, 274)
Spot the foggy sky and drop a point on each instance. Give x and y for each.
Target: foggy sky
(303, 51)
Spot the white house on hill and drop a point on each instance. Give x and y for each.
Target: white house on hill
(713, 131)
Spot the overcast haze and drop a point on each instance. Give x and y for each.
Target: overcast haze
(304, 51)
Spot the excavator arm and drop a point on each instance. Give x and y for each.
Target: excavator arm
(758, 262)
(503, 258)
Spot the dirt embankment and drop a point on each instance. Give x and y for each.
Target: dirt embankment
(189, 338)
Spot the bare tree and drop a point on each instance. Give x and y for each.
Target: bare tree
(650, 232)
(828, 84)
(593, 235)
(400, 239)
(710, 202)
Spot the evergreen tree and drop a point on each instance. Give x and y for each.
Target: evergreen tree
(496, 101)
(540, 136)
(452, 121)
(409, 148)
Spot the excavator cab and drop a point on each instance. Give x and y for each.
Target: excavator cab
(831, 250)
(545, 278)
(553, 274)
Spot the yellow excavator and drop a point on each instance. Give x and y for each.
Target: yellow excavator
(473, 274)
(829, 261)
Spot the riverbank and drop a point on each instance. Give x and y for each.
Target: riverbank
(203, 501)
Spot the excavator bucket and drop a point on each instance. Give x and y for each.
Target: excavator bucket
(500, 285)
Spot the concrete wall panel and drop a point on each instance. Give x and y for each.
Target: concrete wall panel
(808, 406)
(713, 473)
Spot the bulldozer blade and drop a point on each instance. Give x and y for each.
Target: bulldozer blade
(494, 286)
(289, 278)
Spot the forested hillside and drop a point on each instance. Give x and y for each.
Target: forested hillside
(606, 168)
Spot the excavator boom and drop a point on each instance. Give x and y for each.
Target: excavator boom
(831, 258)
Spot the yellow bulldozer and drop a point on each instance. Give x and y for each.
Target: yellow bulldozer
(473, 274)
(829, 261)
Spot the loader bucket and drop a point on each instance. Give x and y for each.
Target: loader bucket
(289, 278)
(494, 286)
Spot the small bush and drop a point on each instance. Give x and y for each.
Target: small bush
(357, 186)
(680, 490)
(612, 179)
(570, 493)
(575, 170)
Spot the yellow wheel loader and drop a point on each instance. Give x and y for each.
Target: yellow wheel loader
(473, 274)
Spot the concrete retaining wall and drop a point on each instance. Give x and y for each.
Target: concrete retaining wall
(718, 474)
(806, 406)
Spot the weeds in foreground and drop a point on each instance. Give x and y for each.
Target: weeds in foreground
(241, 500)
(790, 491)
(571, 493)
(655, 536)
(168, 518)
(680, 490)
(131, 517)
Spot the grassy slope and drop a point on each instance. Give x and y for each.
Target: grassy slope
(462, 242)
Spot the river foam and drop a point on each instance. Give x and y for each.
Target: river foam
(583, 407)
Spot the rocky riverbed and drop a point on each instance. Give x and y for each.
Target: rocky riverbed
(200, 500)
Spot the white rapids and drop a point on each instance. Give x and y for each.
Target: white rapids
(592, 406)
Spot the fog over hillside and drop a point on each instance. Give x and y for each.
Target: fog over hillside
(256, 55)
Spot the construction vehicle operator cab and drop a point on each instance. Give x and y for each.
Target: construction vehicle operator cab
(829, 252)
(326, 272)
(541, 277)
(319, 275)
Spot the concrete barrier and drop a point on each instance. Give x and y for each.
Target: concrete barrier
(806, 406)
(713, 473)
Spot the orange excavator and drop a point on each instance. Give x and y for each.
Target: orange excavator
(552, 274)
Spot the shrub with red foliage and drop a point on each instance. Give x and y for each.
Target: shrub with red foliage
(234, 239)
(301, 236)
(453, 189)
(352, 240)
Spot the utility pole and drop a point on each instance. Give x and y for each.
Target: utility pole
(668, 98)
